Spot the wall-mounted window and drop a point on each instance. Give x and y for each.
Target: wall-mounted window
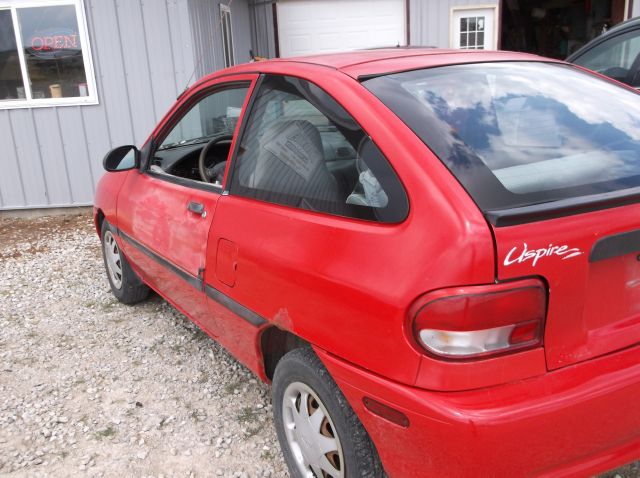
(474, 27)
(44, 54)
(227, 35)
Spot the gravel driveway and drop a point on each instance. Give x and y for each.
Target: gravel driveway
(89, 386)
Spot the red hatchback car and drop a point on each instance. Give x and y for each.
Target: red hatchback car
(432, 255)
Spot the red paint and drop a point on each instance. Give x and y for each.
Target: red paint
(566, 408)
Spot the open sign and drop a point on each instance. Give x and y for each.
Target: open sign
(54, 43)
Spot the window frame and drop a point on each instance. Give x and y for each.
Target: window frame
(606, 42)
(181, 111)
(29, 102)
(228, 52)
(491, 38)
(241, 131)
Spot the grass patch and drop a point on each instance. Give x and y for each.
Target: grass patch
(105, 433)
(231, 386)
(267, 455)
(253, 431)
(247, 415)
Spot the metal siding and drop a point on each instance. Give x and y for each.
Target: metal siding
(136, 65)
(52, 155)
(143, 54)
(182, 47)
(160, 56)
(207, 35)
(262, 32)
(204, 15)
(27, 151)
(11, 189)
(74, 145)
(431, 22)
(112, 85)
(241, 26)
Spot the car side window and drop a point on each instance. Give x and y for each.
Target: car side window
(212, 117)
(300, 148)
(615, 57)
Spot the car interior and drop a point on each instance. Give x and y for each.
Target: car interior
(298, 155)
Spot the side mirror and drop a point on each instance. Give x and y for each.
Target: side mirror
(122, 158)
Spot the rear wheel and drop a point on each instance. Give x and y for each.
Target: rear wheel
(125, 284)
(319, 433)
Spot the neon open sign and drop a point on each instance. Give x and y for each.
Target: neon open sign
(55, 43)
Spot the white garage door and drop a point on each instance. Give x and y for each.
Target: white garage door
(323, 26)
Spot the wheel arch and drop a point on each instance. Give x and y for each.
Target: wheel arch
(98, 219)
(275, 343)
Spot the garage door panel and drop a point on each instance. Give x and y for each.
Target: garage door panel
(322, 26)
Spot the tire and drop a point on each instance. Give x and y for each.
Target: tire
(125, 283)
(300, 377)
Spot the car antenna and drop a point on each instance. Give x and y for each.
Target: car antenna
(201, 58)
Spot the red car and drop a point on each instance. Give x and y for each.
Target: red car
(433, 255)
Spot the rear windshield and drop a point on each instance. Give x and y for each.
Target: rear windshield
(521, 133)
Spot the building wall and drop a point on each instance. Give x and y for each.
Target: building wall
(205, 21)
(429, 20)
(262, 31)
(144, 53)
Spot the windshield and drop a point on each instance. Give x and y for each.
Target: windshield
(521, 133)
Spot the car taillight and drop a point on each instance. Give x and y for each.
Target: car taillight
(479, 321)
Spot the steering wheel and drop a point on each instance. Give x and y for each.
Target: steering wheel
(210, 174)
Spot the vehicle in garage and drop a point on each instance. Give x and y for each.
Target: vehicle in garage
(615, 53)
(431, 254)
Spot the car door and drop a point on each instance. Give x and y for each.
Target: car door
(165, 211)
(305, 175)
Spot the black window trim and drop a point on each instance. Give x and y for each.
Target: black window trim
(242, 131)
(602, 40)
(517, 215)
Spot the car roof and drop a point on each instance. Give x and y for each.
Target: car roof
(366, 63)
(630, 24)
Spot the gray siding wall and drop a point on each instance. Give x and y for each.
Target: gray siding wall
(429, 23)
(262, 32)
(430, 20)
(205, 21)
(144, 52)
(142, 57)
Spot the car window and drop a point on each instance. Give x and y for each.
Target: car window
(300, 148)
(216, 114)
(521, 133)
(613, 57)
(213, 117)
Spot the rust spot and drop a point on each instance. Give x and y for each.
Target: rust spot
(282, 320)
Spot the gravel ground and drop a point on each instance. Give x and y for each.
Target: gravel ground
(89, 386)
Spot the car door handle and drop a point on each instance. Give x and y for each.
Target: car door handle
(197, 208)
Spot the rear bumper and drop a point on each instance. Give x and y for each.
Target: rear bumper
(576, 421)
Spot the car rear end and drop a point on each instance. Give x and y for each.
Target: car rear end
(551, 156)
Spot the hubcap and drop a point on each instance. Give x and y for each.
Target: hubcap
(311, 436)
(113, 260)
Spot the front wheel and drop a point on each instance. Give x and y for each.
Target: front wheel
(319, 433)
(125, 284)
